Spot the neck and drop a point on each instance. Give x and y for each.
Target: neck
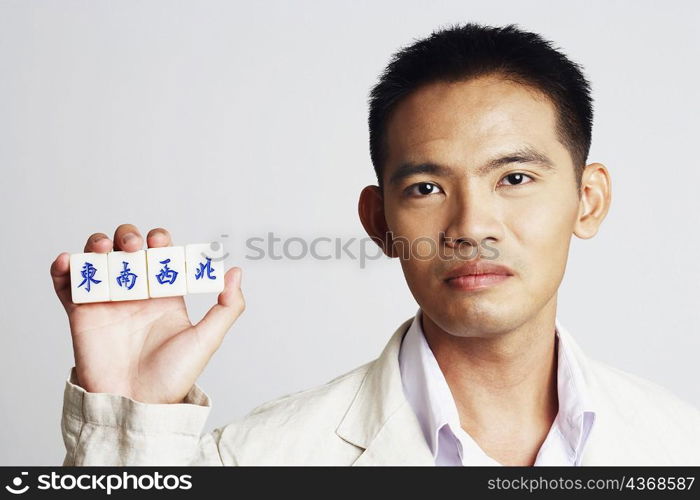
(504, 386)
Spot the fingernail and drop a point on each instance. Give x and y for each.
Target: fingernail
(128, 237)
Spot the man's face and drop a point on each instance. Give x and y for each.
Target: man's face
(523, 222)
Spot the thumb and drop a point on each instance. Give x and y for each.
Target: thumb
(60, 274)
(212, 328)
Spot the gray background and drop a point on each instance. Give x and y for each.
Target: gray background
(236, 118)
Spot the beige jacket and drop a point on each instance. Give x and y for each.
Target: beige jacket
(360, 418)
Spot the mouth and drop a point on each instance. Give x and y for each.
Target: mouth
(477, 275)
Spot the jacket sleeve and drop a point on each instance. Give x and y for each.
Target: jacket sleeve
(108, 429)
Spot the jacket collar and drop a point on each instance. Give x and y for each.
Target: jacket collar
(380, 420)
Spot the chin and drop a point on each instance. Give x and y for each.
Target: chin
(475, 318)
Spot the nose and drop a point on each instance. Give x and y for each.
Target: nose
(475, 217)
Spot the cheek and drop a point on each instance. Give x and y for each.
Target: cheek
(416, 240)
(418, 232)
(542, 236)
(414, 221)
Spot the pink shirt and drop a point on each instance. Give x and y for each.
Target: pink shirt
(429, 395)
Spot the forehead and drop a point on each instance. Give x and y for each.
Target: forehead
(470, 121)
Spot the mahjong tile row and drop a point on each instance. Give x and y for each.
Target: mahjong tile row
(151, 273)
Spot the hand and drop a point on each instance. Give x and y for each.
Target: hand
(147, 350)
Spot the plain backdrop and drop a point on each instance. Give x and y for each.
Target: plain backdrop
(243, 118)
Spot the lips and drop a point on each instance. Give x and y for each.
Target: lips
(478, 268)
(477, 275)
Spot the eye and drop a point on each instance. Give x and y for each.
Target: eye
(517, 178)
(424, 189)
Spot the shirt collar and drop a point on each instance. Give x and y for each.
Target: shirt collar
(430, 397)
(425, 386)
(576, 412)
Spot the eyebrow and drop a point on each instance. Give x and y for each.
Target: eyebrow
(526, 154)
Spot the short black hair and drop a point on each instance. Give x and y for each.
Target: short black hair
(462, 52)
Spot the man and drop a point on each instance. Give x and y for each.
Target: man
(479, 137)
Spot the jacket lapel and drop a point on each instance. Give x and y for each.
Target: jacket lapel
(380, 420)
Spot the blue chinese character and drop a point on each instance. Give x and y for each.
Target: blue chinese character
(199, 273)
(126, 277)
(166, 275)
(88, 274)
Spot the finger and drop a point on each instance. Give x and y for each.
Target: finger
(60, 275)
(127, 238)
(158, 237)
(218, 320)
(98, 242)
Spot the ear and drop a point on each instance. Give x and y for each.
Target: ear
(596, 194)
(371, 211)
